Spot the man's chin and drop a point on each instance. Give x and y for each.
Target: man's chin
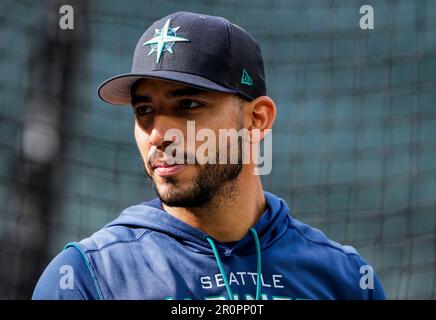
(177, 195)
(169, 182)
(166, 188)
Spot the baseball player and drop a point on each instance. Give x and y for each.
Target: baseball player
(212, 232)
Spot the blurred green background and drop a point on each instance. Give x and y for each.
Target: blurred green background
(354, 144)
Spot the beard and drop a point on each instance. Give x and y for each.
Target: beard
(212, 181)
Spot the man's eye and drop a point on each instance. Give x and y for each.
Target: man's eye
(189, 104)
(143, 110)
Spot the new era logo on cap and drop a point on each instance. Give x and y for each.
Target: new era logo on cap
(202, 51)
(246, 79)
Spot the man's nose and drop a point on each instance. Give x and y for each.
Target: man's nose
(161, 125)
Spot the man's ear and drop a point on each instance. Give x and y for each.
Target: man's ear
(262, 114)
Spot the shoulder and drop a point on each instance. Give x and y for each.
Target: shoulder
(66, 277)
(318, 239)
(124, 230)
(315, 246)
(352, 276)
(72, 274)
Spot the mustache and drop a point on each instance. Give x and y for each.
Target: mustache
(158, 157)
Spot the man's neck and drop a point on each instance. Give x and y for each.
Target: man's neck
(231, 213)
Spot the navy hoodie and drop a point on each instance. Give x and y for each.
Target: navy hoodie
(146, 253)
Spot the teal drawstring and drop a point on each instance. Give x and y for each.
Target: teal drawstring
(220, 266)
(259, 262)
(223, 273)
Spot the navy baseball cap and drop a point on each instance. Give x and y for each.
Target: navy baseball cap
(199, 50)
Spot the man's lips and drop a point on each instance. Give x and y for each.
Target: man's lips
(165, 165)
(162, 168)
(166, 170)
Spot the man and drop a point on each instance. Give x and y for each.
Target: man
(212, 233)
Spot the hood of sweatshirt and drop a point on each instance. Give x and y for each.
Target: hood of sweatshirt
(271, 225)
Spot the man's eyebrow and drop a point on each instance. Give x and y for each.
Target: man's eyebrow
(187, 91)
(138, 98)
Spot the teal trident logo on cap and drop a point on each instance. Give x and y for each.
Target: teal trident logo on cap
(163, 40)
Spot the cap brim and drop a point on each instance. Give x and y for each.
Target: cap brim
(117, 90)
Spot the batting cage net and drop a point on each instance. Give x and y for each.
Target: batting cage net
(354, 143)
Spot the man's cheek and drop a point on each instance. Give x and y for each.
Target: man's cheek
(143, 146)
(141, 137)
